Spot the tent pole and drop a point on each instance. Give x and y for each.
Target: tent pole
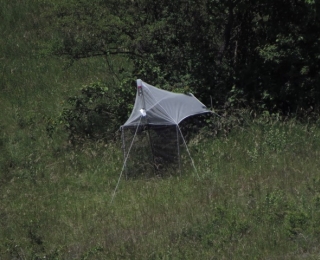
(178, 146)
(152, 151)
(141, 93)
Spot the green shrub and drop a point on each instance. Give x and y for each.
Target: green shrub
(97, 113)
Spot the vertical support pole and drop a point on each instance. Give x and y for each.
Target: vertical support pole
(146, 123)
(152, 151)
(178, 146)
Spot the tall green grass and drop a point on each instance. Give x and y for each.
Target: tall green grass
(257, 195)
(33, 88)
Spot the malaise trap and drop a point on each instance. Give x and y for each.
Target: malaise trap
(153, 138)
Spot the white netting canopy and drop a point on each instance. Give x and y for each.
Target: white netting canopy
(161, 107)
(151, 137)
(152, 140)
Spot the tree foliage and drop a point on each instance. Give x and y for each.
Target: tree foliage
(263, 54)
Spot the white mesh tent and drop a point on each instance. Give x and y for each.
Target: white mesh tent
(152, 139)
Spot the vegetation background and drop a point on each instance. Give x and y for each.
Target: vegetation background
(68, 70)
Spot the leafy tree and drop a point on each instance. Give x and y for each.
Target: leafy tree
(261, 53)
(288, 54)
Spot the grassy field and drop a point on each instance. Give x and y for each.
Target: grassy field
(257, 195)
